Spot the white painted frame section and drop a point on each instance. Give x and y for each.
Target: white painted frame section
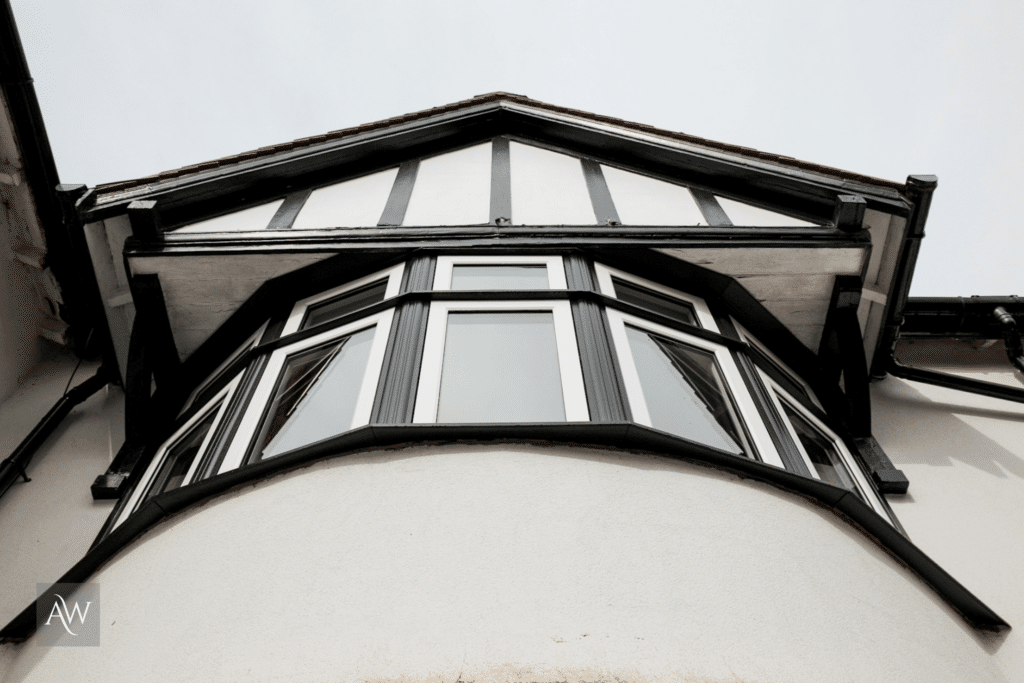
(253, 416)
(445, 264)
(574, 395)
(780, 396)
(745, 405)
(223, 397)
(393, 274)
(795, 378)
(607, 287)
(249, 344)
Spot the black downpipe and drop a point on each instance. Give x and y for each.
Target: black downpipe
(14, 466)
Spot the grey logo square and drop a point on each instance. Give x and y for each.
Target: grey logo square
(68, 614)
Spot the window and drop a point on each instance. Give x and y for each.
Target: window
(500, 361)
(823, 451)
(688, 387)
(352, 296)
(654, 297)
(200, 392)
(499, 273)
(177, 461)
(778, 366)
(312, 390)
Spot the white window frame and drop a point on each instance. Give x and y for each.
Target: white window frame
(780, 396)
(253, 416)
(747, 337)
(607, 287)
(574, 395)
(224, 397)
(745, 405)
(393, 274)
(445, 264)
(249, 344)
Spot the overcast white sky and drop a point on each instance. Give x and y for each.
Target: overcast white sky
(889, 89)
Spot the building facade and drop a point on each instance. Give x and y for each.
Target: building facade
(506, 391)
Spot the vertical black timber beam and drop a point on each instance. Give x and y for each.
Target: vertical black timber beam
(602, 377)
(138, 385)
(285, 216)
(781, 436)
(849, 213)
(501, 183)
(399, 378)
(713, 212)
(401, 191)
(151, 309)
(145, 220)
(600, 196)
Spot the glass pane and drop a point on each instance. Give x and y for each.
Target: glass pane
(684, 391)
(316, 395)
(500, 277)
(332, 309)
(500, 367)
(180, 456)
(653, 301)
(821, 450)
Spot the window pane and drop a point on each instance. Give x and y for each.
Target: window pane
(332, 309)
(684, 391)
(316, 395)
(500, 367)
(653, 301)
(821, 450)
(180, 456)
(500, 277)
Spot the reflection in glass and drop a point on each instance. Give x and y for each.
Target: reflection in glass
(500, 367)
(821, 450)
(343, 304)
(684, 391)
(500, 277)
(653, 301)
(316, 395)
(180, 456)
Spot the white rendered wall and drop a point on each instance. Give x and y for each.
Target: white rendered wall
(964, 457)
(512, 563)
(48, 524)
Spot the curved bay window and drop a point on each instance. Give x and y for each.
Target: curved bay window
(497, 342)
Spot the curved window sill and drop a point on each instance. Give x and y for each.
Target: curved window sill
(612, 435)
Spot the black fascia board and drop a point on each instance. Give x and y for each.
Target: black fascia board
(218, 191)
(609, 435)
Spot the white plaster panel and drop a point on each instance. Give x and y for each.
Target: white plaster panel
(640, 200)
(964, 457)
(513, 563)
(254, 218)
(548, 188)
(47, 525)
(753, 216)
(452, 189)
(353, 203)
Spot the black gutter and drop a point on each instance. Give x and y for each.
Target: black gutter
(65, 255)
(919, 190)
(610, 435)
(15, 465)
(958, 317)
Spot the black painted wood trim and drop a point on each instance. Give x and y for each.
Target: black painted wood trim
(501, 182)
(781, 437)
(579, 273)
(396, 391)
(145, 220)
(600, 196)
(401, 191)
(708, 204)
(286, 214)
(848, 508)
(228, 427)
(602, 377)
(418, 275)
